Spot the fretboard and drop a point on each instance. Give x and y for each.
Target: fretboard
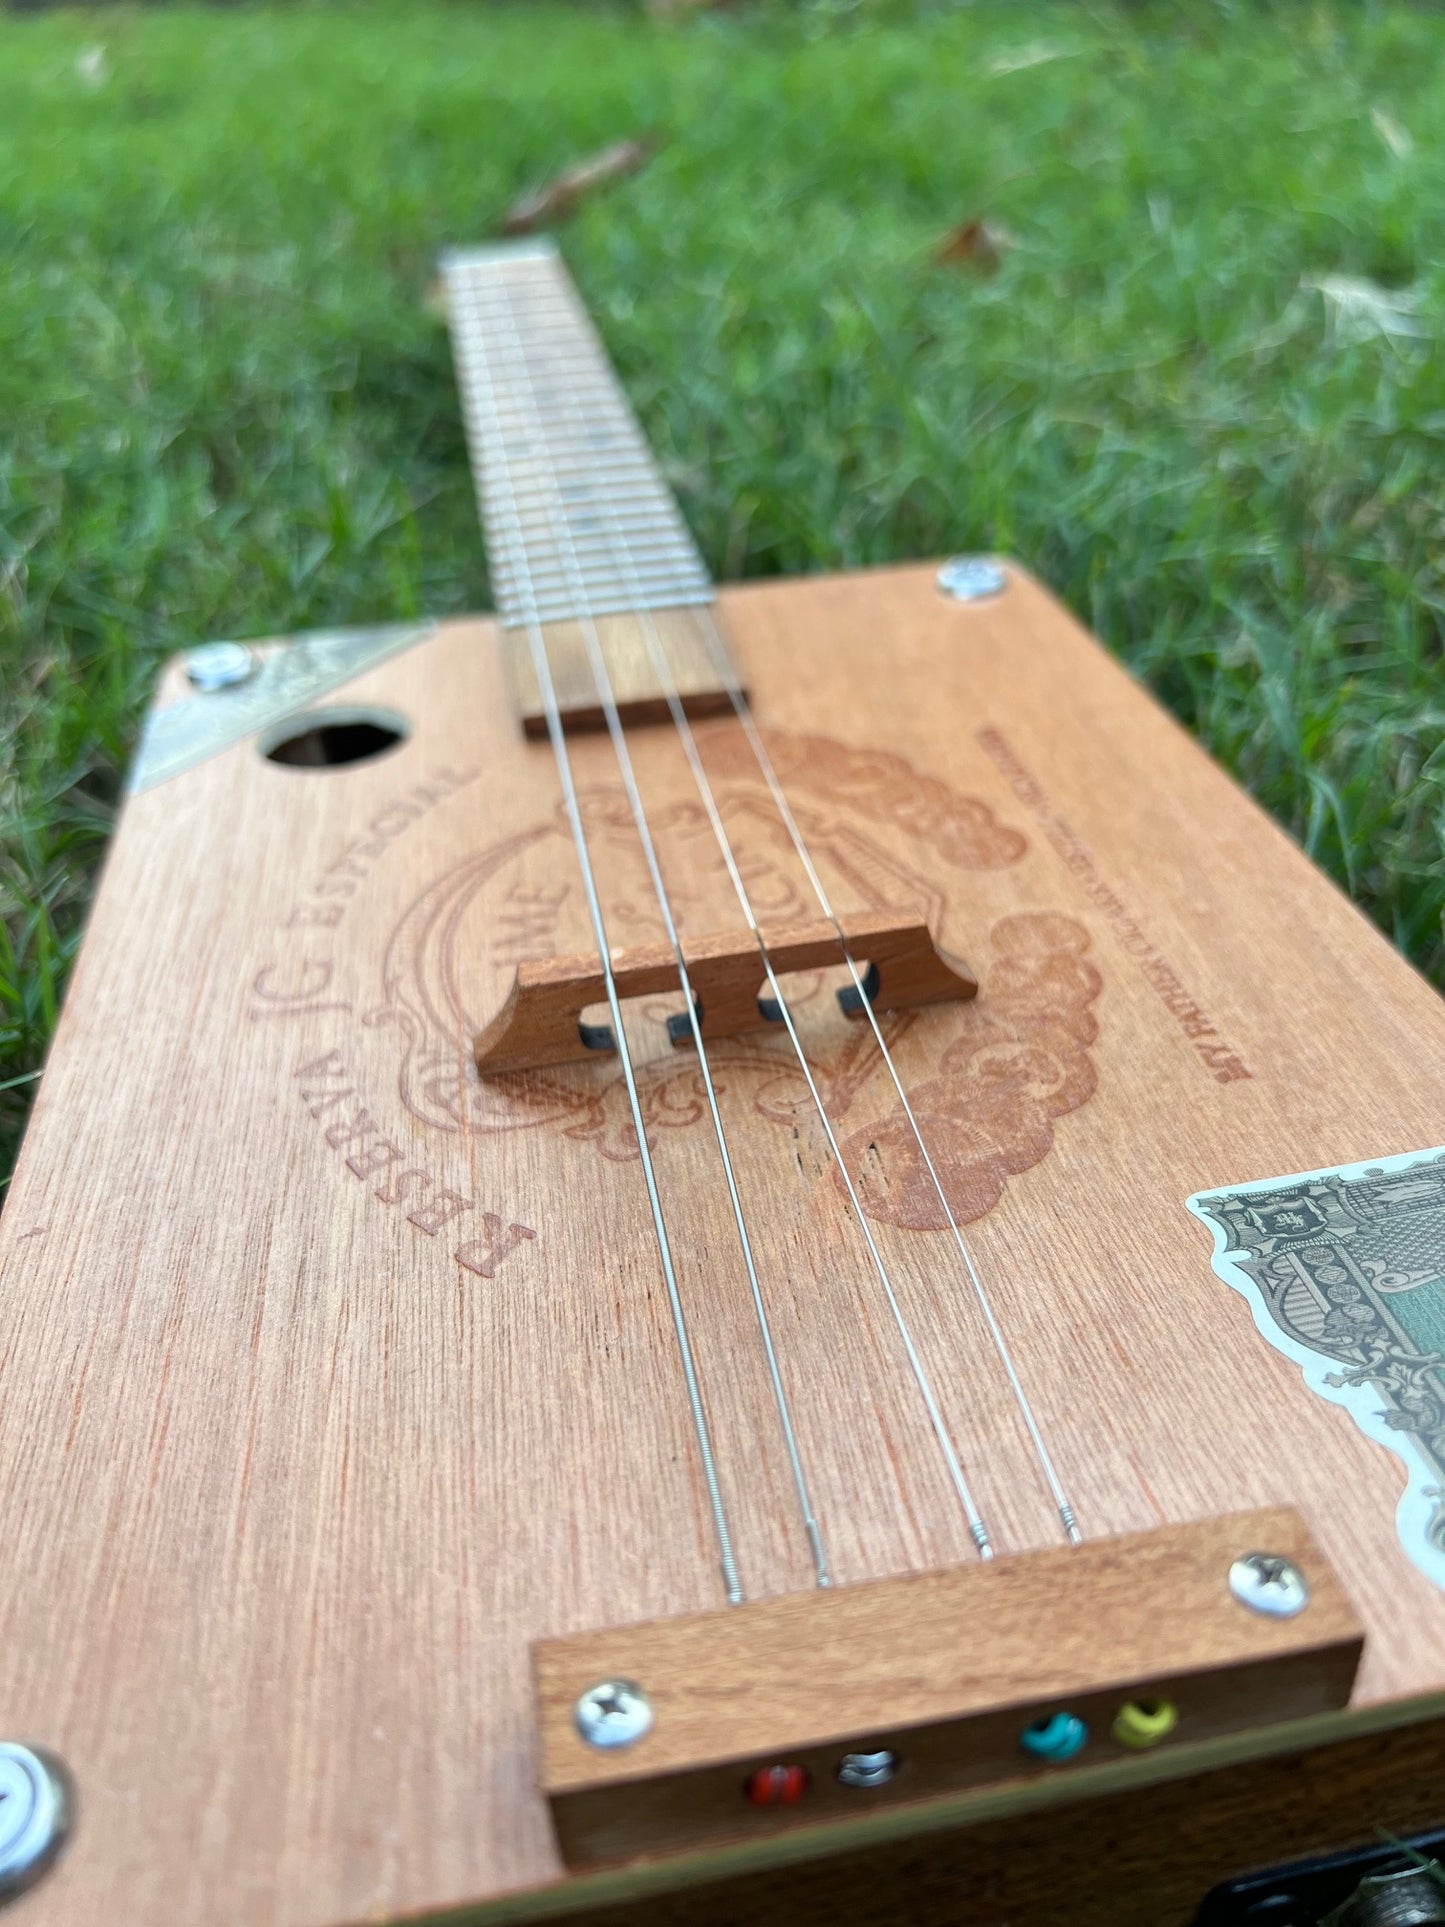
(578, 520)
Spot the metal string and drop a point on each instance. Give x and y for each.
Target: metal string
(639, 599)
(717, 650)
(619, 743)
(607, 696)
(538, 646)
(977, 1528)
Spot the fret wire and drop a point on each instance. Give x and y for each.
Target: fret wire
(556, 574)
(637, 515)
(633, 535)
(534, 528)
(651, 558)
(609, 449)
(583, 520)
(541, 572)
(564, 609)
(584, 467)
(585, 517)
(585, 472)
(568, 452)
(598, 404)
(602, 464)
(653, 561)
(547, 433)
(646, 550)
(702, 1431)
(626, 516)
(533, 522)
(656, 596)
(611, 475)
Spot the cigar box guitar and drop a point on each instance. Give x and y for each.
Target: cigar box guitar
(710, 1256)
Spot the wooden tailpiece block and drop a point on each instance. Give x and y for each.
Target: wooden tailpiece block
(541, 1021)
(627, 643)
(946, 1670)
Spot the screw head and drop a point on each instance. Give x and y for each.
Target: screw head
(219, 665)
(972, 578)
(615, 1712)
(1269, 1584)
(868, 1769)
(36, 1807)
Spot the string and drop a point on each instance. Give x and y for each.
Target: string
(537, 645)
(978, 1531)
(718, 652)
(607, 697)
(977, 1528)
(638, 600)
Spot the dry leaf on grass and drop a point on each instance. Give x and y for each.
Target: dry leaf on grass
(92, 66)
(1356, 309)
(1395, 137)
(1037, 54)
(557, 198)
(977, 244)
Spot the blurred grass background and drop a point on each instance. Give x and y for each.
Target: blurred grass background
(1202, 393)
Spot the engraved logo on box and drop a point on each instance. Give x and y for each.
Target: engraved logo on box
(987, 1080)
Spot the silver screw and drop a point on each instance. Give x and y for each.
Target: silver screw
(868, 1769)
(1269, 1584)
(613, 1713)
(36, 1808)
(972, 578)
(219, 665)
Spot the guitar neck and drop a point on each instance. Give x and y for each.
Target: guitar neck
(582, 531)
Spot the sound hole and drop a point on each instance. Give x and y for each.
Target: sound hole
(335, 738)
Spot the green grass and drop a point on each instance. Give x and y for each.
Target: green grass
(226, 410)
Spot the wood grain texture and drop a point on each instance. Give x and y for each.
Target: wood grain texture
(333, 1376)
(540, 1023)
(945, 1669)
(684, 637)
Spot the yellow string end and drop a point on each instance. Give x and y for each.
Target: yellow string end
(1140, 1724)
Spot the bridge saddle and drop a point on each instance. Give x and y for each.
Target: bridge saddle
(897, 960)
